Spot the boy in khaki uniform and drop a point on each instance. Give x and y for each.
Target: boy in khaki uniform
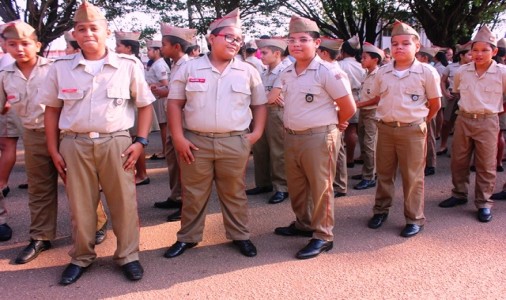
(175, 42)
(409, 97)
(221, 96)
(268, 151)
(481, 84)
(91, 97)
(313, 90)
(367, 128)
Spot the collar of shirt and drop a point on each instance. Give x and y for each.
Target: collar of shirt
(111, 59)
(205, 63)
(40, 62)
(493, 68)
(182, 60)
(416, 67)
(313, 65)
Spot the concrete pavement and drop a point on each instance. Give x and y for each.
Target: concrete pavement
(454, 257)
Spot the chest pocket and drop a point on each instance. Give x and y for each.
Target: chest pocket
(196, 93)
(310, 93)
(241, 95)
(13, 98)
(118, 96)
(70, 94)
(415, 94)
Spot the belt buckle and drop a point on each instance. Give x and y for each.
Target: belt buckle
(474, 116)
(94, 135)
(211, 134)
(397, 124)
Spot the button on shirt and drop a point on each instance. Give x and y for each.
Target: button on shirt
(217, 102)
(309, 97)
(22, 93)
(366, 89)
(481, 94)
(404, 99)
(101, 103)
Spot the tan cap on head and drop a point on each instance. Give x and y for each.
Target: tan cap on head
(501, 43)
(354, 42)
(153, 44)
(368, 47)
(186, 34)
(127, 36)
(18, 30)
(272, 42)
(300, 24)
(68, 36)
(232, 19)
(466, 47)
(432, 51)
(401, 28)
(251, 45)
(88, 12)
(332, 44)
(485, 35)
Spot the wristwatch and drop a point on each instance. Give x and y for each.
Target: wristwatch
(143, 141)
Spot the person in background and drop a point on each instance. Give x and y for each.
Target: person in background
(193, 51)
(482, 85)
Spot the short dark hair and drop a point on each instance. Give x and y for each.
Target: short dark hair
(441, 57)
(74, 45)
(332, 53)
(175, 40)
(191, 48)
(134, 46)
(375, 55)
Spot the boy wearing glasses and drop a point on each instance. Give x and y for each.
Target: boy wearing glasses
(221, 96)
(318, 104)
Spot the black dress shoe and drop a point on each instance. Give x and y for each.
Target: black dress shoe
(314, 248)
(5, 191)
(32, 251)
(359, 161)
(452, 201)
(365, 184)
(442, 151)
(429, 171)
(472, 168)
(133, 270)
(246, 247)
(350, 165)
(178, 248)
(411, 230)
(71, 274)
(357, 177)
(168, 204)
(23, 186)
(291, 230)
(499, 196)
(500, 168)
(144, 181)
(101, 234)
(174, 217)
(259, 190)
(484, 215)
(377, 220)
(5, 232)
(339, 194)
(278, 197)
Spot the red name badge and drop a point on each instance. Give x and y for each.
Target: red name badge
(200, 80)
(69, 91)
(11, 97)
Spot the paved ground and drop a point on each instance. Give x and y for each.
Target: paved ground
(455, 257)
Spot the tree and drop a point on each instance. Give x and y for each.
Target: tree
(447, 23)
(50, 18)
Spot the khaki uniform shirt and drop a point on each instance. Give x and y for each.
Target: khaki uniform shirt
(177, 65)
(404, 99)
(22, 93)
(286, 62)
(101, 103)
(439, 68)
(217, 102)
(450, 71)
(309, 97)
(270, 76)
(481, 94)
(257, 63)
(355, 72)
(366, 89)
(158, 71)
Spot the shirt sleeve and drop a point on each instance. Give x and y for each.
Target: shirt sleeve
(161, 71)
(178, 83)
(139, 88)
(456, 80)
(432, 84)
(49, 94)
(258, 96)
(336, 82)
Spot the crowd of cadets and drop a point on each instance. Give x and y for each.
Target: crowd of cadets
(301, 109)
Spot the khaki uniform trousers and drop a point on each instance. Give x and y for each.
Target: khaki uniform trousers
(310, 160)
(478, 135)
(367, 132)
(3, 210)
(222, 159)
(402, 147)
(173, 168)
(431, 143)
(94, 162)
(268, 153)
(340, 183)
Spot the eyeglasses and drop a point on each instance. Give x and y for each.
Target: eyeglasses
(299, 41)
(231, 39)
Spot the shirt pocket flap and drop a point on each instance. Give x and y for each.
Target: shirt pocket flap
(71, 94)
(313, 90)
(118, 93)
(463, 87)
(196, 87)
(493, 89)
(240, 88)
(13, 97)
